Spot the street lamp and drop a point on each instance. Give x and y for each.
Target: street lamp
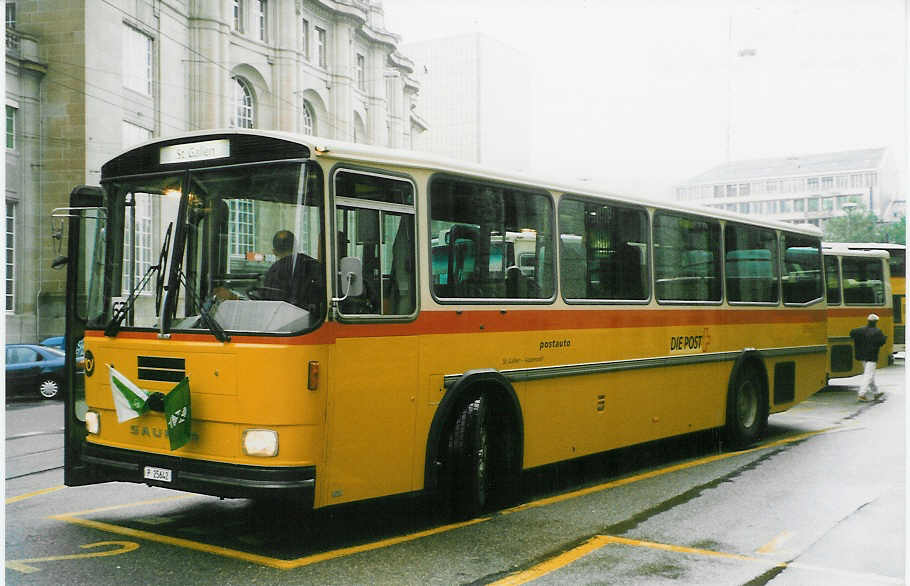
(849, 208)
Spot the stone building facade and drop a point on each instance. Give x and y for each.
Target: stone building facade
(109, 74)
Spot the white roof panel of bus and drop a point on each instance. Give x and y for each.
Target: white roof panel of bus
(367, 154)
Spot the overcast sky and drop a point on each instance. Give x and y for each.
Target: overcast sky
(641, 95)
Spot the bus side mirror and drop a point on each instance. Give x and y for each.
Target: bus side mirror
(351, 272)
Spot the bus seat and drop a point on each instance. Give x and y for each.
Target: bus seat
(513, 278)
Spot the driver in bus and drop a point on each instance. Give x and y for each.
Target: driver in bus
(295, 278)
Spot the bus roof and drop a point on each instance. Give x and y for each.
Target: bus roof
(864, 245)
(367, 154)
(859, 253)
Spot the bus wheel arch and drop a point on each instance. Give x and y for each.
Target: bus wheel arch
(475, 445)
(748, 401)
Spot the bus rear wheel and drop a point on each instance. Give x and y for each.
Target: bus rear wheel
(747, 410)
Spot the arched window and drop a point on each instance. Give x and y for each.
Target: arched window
(243, 105)
(307, 119)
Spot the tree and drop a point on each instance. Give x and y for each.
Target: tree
(860, 225)
(895, 232)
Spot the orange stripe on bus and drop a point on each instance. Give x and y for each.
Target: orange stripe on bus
(860, 312)
(516, 320)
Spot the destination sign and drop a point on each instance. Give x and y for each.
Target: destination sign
(195, 151)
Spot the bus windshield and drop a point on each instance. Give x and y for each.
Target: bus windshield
(238, 247)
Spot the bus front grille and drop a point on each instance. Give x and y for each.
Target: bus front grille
(157, 368)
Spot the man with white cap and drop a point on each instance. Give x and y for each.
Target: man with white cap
(866, 342)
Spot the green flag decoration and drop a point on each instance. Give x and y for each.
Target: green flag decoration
(177, 414)
(129, 400)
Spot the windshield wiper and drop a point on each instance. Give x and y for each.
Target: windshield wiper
(205, 309)
(162, 263)
(113, 326)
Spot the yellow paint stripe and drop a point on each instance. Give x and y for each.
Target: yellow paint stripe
(338, 553)
(858, 577)
(123, 547)
(554, 563)
(185, 543)
(562, 560)
(660, 472)
(28, 495)
(255, 558)
(775, 543)
(688, 550)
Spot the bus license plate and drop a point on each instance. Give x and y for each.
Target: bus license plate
(159, 474)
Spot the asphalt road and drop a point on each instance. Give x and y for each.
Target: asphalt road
(821, 501)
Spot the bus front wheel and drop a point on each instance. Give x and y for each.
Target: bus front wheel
(747, 410)
(470, 456)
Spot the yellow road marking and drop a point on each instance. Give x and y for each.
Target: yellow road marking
(564, 559)
(343, 552)
(261, 559)
(554, 563)
(688, 550)
(28, 495)
(772, 545)
(857, 577)
(24, 567)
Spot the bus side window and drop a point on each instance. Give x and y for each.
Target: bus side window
(374, 217)
(832, 277)
(604, 250)
(686, 258)
(399, 295)
(863, 281)
(360, 239)
(801, 277)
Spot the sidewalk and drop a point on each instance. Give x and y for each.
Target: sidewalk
(868, 545)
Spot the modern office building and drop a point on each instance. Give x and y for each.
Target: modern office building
(89, 78)
(477, 97)
(801, 189)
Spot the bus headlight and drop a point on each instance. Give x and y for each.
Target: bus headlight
(260, 442)
(92, 422)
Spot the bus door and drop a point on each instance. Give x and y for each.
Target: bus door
(374, 366)
(85, 221)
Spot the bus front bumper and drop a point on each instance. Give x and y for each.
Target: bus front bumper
(200, 476)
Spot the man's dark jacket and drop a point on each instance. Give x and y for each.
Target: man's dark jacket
(301, 285)
(866, 342)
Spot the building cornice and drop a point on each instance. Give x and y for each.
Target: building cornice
(359, 12)
(401, 62)
(418, 121)
(22, 52)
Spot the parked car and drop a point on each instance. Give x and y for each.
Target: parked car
(54, 342)
(59, 343)
(32, 368)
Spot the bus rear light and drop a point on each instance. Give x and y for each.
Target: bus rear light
(260, 442)
(92, 422)
(312, 379)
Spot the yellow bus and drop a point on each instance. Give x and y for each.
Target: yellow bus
(445, 327)
(858, 284)
(897, 264)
